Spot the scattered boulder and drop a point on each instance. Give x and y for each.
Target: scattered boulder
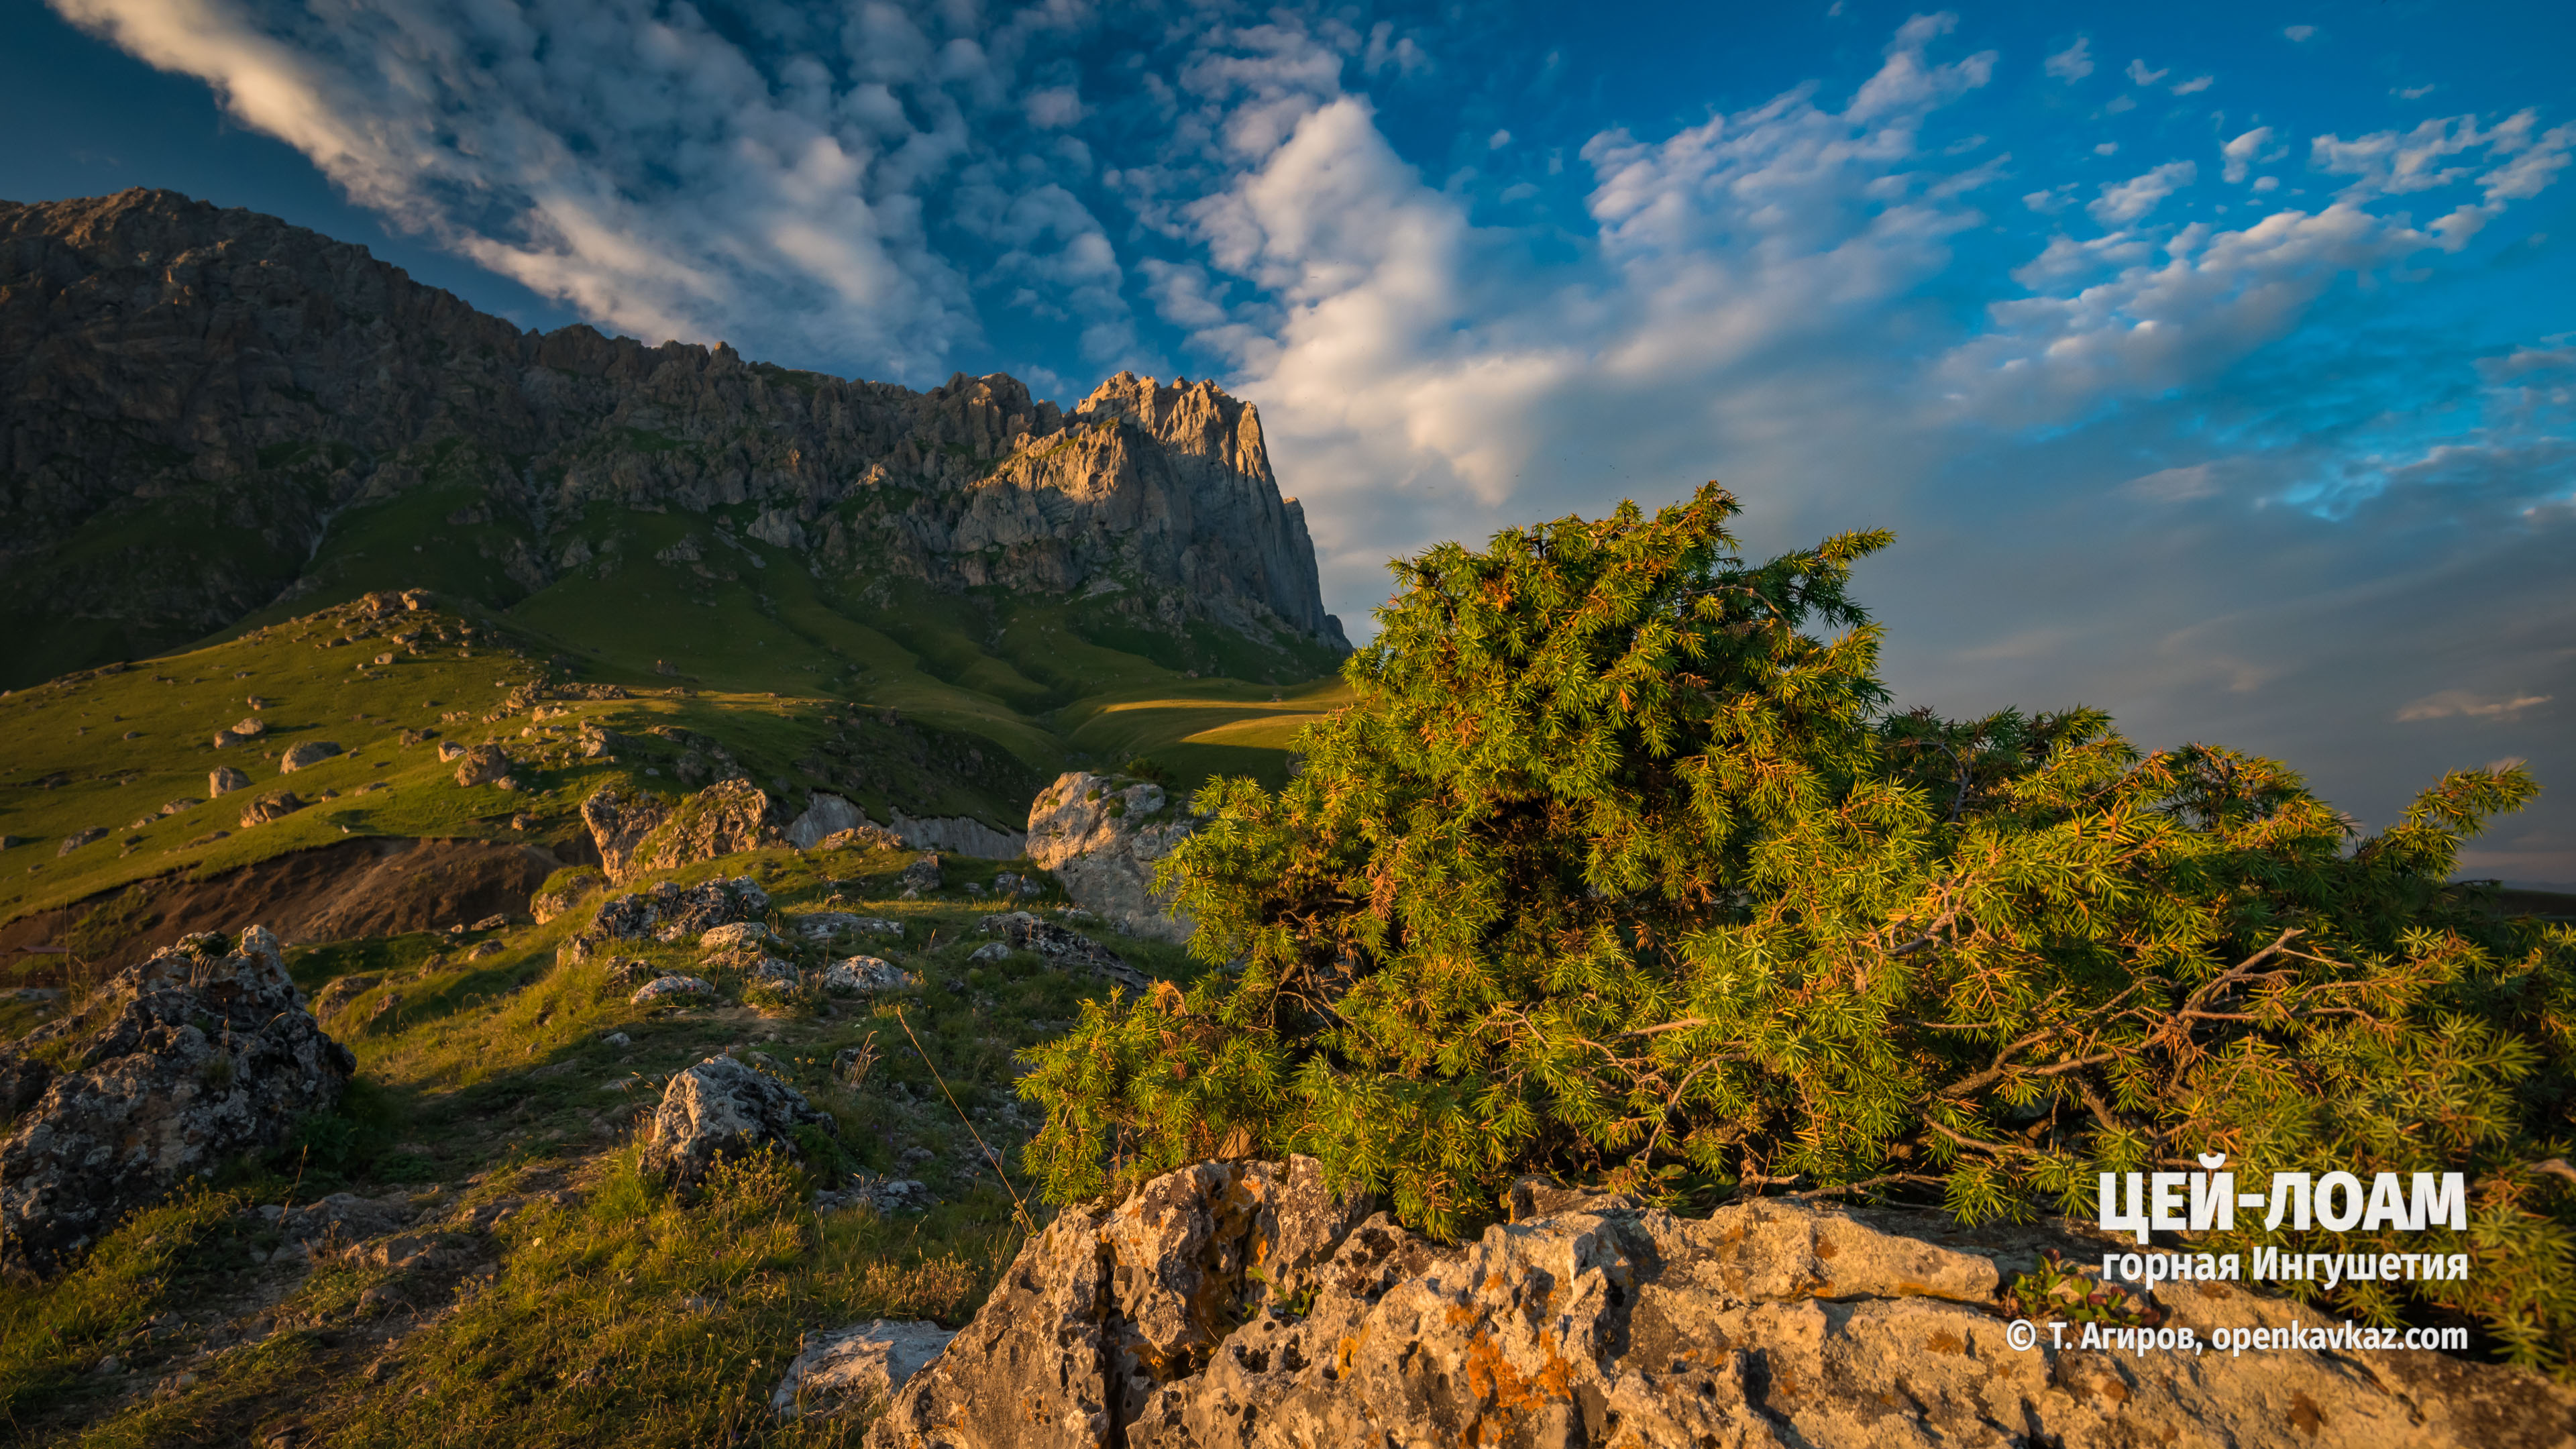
(669, 989)
(598, 742)
(1101, 835)
(1597, 1321)
(180, 1063)
(449, 750)
(921, 875)
(724, 1108)
(251, 728)
(823, 925)
(775, 974)
(270, 807)
(305, 756)
(1063, 949)
(671, 912)
(990, 951)
(734, 936)
(79, 838)
(866, 975)
(846, 1368)
(178, 807)
(482, 765)
(879, 1194)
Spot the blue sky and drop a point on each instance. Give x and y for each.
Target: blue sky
(2214, 363)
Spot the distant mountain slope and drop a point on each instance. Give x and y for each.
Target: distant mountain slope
(210, 418)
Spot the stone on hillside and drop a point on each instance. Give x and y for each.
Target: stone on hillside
(1597, 1321)
(921, 875)
(178, 1065)
(79, 838)
(990, 951)
(599, 742)
(775, 974)
(866, 975)
(270, 807)
(846, 1368)
(1102, 836)
(305, 756)
(734, 936)
(482, 765)
(671, 989)
(178, 807)
(251, 728)
(1063, 949)
(449, 750)
(823, 925)
(637, 833)
(673, 912)
(225, 780)
(723, 1108)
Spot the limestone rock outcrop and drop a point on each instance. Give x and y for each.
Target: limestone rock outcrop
(1592, 1321)
(162, 359)
(636, 833)
(674, 912)
(180, 1063)
(1102, 836)
(1063, 948)
(846, 1368)
(722, 1108)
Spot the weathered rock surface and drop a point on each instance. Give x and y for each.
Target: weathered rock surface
(673, 912)
(957, 835)
(846, 1368)
(481, 764)
(270, 807)
(181, 1062)
(922, 875)
(724, 1108)
(1597, 1322)
(826, 815)
(824, 925)
(866, 975)
(166, 361)
(1102, 836)
(305, 756)
(637, 833)
(735, 936)
(559, 898)
(224, 779)
(1066, 950)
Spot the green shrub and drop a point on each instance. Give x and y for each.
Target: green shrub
(1615, 872)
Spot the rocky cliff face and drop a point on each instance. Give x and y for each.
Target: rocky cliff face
(188, 395)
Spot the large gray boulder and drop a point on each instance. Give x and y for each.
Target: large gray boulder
(180, 1063)
(724, 1108)
(1102, 837)
(1593, 1321)
(850, 1368)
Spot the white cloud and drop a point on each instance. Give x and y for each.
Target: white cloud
(2073, 63)
(2117, 104)
(2127, 201)
(2107, 148)
(636, 165)
(2242, 152)
(2195, 85)
(2411, 93)
(2450, 702)
(2298, 33)
(1498, 140)
(2139, 75)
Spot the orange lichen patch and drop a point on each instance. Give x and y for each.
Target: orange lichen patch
(1458, 1314)
(1494, 1378)
(1825, 1246)
(1945, 1342)
(1492, 1282)
(1347, 1350)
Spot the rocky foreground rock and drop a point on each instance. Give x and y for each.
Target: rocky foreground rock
(724, 1108)
(178, 1064)
(1102, 836)
(1233, 1305)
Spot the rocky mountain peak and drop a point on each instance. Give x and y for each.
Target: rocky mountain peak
(194, 400)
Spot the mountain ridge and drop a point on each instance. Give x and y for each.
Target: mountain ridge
(194, 401)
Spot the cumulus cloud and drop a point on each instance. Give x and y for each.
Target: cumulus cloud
(647, 171)
(2242, 152)
(2195, 85)
(2126, 201)
(2139, 75)
(2073, 63)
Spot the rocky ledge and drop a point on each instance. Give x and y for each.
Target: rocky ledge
(1232, 1305)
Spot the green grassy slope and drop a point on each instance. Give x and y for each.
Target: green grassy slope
(876, 688)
